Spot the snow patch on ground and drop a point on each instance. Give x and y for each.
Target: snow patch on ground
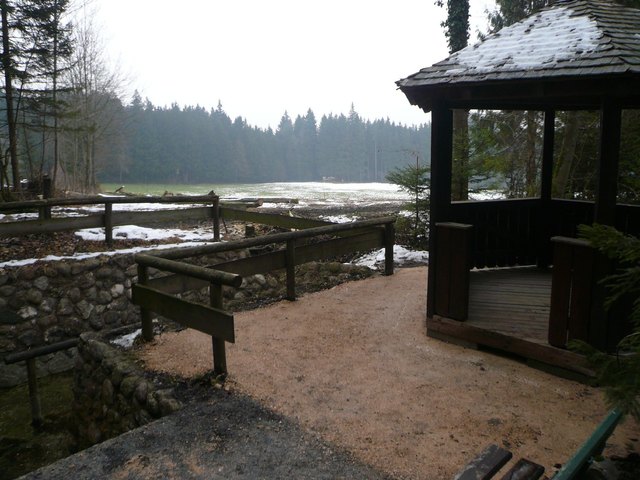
(84, 256)
(134, 232)
(402, 256)
(339, 218)
(126, 341)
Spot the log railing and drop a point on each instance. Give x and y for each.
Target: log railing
(158, 294)
(109, 219)
(518, 232)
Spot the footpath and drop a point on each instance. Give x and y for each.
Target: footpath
(227, 436)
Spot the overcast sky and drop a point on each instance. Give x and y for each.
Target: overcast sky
(262, 57)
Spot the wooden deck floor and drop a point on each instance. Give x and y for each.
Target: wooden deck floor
(511, 301)
(509, 311)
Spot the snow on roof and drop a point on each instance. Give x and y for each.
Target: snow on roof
(580, 37)
(547, 38)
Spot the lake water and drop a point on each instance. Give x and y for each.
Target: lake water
(308, 193)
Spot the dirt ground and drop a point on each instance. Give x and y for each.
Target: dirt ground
(354, 366)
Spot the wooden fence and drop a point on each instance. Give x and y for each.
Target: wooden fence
(109, 219)
(159, 294)
(216, 212)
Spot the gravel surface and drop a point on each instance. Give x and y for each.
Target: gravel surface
(353, 364)
(220, 437)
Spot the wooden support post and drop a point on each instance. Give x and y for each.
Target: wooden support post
(108, 224)
(216, 219)
(217, 344)
(291, 269)
(441, 155)
(546, 184)
(34, 398)
(145, 314)
(389, 241)
(607, 189)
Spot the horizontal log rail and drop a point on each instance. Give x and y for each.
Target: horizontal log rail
(96, 200)
(109, 219)
(337, 229)
(157, 294)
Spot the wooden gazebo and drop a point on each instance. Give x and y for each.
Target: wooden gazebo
(510, 274)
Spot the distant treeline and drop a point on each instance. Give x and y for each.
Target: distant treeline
(194, 145)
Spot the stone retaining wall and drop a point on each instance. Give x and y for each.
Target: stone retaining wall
(112, 394)
(48, 302)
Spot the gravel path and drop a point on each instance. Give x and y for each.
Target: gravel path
(222, 437)
(354, 365)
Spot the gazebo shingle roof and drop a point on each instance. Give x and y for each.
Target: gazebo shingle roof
(568, 39)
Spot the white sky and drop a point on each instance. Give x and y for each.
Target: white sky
(262, 57)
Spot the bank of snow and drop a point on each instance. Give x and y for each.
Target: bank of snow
(402, 257)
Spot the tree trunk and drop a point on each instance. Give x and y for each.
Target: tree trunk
(531, 167)
(566, 156)
(460, 167)
(8, 87)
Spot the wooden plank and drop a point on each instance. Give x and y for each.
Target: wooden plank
(161, 216)
(263, 263)
(271, 261)
(272, 219)
(460, 264)
(195, 271)
(341, 229)
(580, 302)
(339, 246)
(205, 319)
(290, 260)
(524, 470)
(485, 465)
(96, 200)
(560, 294)
(542, 353)
(26, 227)
(443, 274)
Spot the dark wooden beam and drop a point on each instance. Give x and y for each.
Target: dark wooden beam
(441, 154)
(607, 190)
(542, 353)
(546, 181)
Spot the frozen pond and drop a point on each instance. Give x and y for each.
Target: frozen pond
(308, 193)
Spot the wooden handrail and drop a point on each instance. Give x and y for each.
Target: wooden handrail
(61, 202)
(177, 253)
(208, 274)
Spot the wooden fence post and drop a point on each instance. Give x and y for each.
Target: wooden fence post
(34, 398)
(217, 344)
(389, 241)
(290, 261)
(216, 219)
(145, 314)
(108, 223)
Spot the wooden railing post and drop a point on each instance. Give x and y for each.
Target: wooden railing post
(216, 219)
(453, 262)
(145, 314)
(108, 223)
(217, 344)
(34, 398)
(389, 241)
(291, 269)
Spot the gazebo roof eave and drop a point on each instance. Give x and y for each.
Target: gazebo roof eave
(557, 93)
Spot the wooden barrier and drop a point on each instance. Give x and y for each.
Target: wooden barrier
(453, 262)
(157, 294)
(109, 219)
